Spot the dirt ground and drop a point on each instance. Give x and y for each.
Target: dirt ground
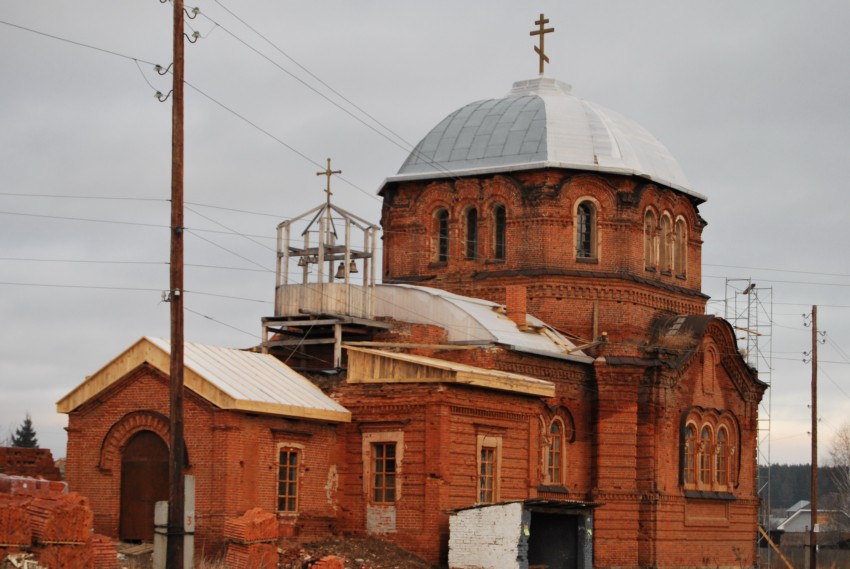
(366, 553)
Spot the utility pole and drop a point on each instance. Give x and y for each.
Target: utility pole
(813, 537)
(174, 551)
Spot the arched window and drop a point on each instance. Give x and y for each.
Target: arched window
(441, 235)
(721, 458)
(471, 233)
(649, 244)
(689, 474)
(708, 460)
(555, 453)
(499, 232)
(586, 230)
(704, 456)
(680, 248)
(666, 245)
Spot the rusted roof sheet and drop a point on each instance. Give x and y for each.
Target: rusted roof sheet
(227, 378)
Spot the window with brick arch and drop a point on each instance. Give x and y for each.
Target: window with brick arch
(665, 254)
(650, 249)
(586, 230)
(721, 458)
(441, 235)
(689, 474)
(383, 472)
(289, 460)
(680, 248)
(471, 233)
(555, 453)
(499, 232)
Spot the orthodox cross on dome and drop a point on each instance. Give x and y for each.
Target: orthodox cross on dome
(328, 172)
(541, 32)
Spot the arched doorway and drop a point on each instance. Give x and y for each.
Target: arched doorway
(144, 482)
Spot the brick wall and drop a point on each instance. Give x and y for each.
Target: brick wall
(540, 246)
(231, 454)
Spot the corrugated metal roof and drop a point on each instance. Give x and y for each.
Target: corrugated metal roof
(252, 377)
(471, 320)
(541, 124)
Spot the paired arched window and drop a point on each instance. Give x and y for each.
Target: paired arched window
(586, 230)
(665, 244)
(707, 459)
(441, 235)
(499, 232)
(471, 219)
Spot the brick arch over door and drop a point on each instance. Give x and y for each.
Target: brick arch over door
(124, 429)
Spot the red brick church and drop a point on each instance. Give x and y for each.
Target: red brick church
(538, 342)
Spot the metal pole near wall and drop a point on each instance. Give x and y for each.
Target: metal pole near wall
(174, 554)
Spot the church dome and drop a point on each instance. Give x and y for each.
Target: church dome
(540, 124)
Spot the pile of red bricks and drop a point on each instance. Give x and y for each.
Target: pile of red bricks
(28, 462)
(252, 540)
(55, 526)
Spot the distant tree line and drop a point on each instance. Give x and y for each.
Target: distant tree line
(790, 483)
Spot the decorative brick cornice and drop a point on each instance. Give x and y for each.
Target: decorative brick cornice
(489, 414)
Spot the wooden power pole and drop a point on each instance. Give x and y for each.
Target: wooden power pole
(174, 551)
(813, 541)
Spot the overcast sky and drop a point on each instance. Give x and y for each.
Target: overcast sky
(752, 98)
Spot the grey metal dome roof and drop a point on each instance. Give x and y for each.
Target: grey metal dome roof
(540, 124)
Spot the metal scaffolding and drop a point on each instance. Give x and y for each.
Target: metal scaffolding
(749, 309)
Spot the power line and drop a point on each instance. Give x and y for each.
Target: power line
(76, 43)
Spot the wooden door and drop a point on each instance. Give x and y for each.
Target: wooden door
(144, 481)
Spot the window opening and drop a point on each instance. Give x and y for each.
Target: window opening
(555, 453)
(585, 230)
(649, 245)
(472, 233)
(287, 480)
(721, 458)
(666, 244)
(383, 472)
(487, 476)
(680, 248)
(690, 455)
(705, 456)
(442, 235)
(499, 232)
